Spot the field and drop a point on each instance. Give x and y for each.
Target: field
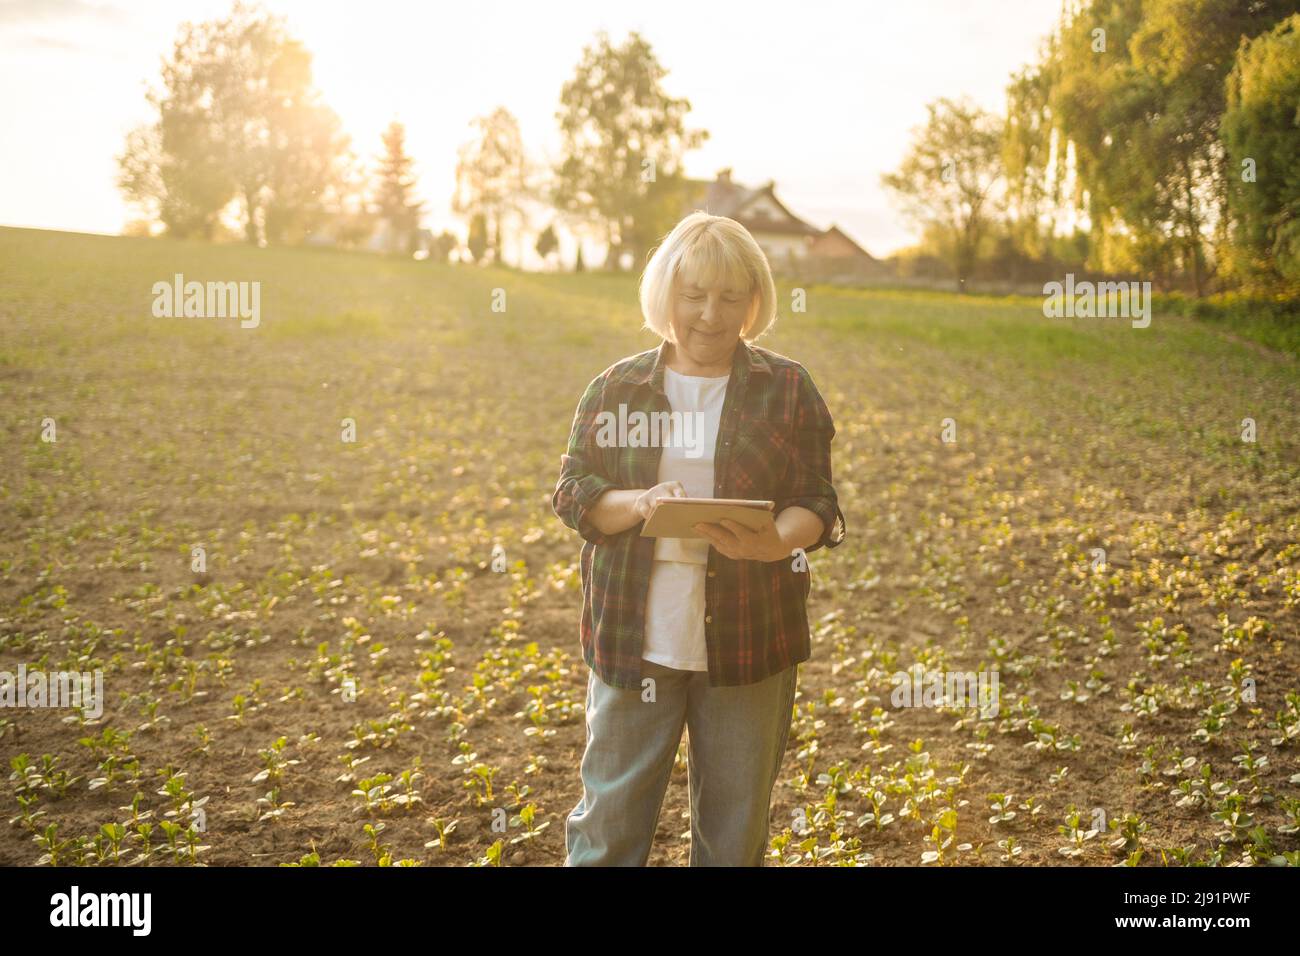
(348, 679)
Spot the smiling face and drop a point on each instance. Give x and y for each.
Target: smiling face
(707, 321)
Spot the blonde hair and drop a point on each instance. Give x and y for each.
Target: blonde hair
(704, 249)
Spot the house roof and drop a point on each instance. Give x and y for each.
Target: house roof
(725, 197)
(834, 232)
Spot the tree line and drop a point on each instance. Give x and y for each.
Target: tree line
(239, 132)
(1158, 138)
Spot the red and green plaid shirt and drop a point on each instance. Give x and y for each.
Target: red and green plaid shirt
(774, 442)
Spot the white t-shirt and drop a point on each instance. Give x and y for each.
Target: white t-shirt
(674, 627)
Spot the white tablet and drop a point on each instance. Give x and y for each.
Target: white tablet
(675, 517)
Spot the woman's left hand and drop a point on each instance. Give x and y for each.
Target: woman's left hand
(734, 540)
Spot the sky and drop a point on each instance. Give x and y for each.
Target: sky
(819, 96)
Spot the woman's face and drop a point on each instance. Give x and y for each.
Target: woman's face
(707, 323)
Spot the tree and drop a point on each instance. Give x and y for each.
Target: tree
(623, 142)
(947, 178)
(238, 118)
(492, 178)
(1034, 166)
(394, 197)
(547, 243)
(1261, 139)
(477, 243)
(1187, 46)
(352, 218)
(442, 247)
(1102, 112)
(169, 174)
(305, 157)
(1128, 95)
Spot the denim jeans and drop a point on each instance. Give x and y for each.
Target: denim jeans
(736, 741)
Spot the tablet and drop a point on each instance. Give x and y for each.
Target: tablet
(674, 517)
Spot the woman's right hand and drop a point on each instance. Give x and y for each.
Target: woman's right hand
(665, 489)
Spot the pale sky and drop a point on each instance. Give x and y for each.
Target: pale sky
(817, 95)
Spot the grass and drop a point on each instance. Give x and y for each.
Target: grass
(346, 619)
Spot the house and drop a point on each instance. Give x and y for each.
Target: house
(833, 253)
(790, 244)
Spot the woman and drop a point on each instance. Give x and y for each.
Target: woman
(704, 633)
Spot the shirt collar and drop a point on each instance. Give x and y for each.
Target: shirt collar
(649, 365)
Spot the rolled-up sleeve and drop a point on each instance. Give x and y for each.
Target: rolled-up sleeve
(810, 484)
(583, 474)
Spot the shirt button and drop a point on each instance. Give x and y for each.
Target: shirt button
(708, 619)
(713, 574)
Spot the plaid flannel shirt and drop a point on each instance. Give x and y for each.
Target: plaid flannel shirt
(774, 441)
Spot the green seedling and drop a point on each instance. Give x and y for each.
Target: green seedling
(1001, 805)
(527, 817)
(1075, 832)
(444, 828)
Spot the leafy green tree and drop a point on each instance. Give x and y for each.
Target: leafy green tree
(623, 142)
(547, 243)
(1126, 104)
(442, 247)
(169, 172)
(948, 179)
(1261, 139)
(492, 176)
(1033, 167)
(477, 243)
(1188, 46)
(1107, 112)
(238, 119)
(395, 201)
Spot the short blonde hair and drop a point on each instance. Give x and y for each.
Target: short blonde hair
(704, 249)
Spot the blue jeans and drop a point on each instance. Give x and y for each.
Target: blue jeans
(736, 741)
